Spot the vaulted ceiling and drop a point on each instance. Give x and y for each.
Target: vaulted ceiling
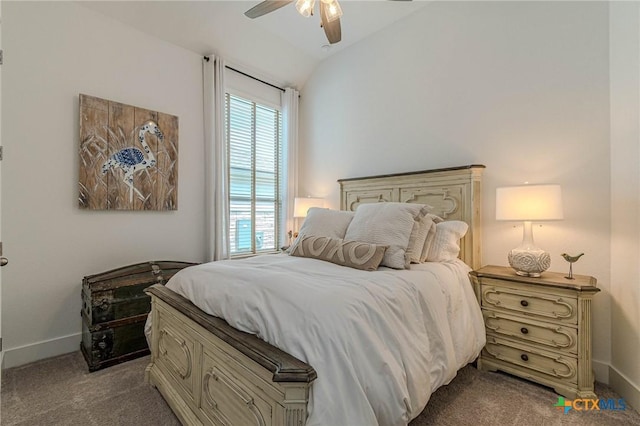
(282, 46)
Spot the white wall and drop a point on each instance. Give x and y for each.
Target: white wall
(522, 87)
(53, 52)
(625, 199)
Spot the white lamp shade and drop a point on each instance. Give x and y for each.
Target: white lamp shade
(305, 7)
(529, 202)
(332, 10)
(301, 205)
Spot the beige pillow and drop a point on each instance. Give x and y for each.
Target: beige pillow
(326, 222)
(446, 244)
(430, 220)
(417, 239)
(353, 254)
(388, 224)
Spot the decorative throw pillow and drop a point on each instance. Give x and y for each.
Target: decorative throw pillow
(417, 239)
(388, 224)
(446, 244)
(353, 254)
(326, 222)
(431, 220)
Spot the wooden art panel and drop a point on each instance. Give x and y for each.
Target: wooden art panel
(128, 157)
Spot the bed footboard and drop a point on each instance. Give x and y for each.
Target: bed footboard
(212, 374)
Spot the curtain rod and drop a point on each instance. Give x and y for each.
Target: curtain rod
(250, 76)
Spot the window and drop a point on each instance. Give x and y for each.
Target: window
(254, 139)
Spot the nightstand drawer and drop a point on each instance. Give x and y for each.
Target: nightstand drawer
(532, 362)
(551, 336)
(546, 306)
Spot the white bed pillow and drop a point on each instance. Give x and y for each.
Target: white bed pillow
(326, 223)
(388, 224)
(417, 239)
(431, 220)
(446, 244)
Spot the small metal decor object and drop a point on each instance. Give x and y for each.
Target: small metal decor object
(571, 260)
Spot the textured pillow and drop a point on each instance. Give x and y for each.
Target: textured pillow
(388, 224)
(326, 223)
(353, 254)
(431, 220)
(446, 244)
(417, 239)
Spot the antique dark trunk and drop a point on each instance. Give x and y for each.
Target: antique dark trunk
(115, 308)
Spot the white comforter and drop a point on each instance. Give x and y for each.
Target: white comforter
(381, 342)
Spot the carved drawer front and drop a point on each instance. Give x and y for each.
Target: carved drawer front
(177, 351)
(227, 399)
(531, 361)
(552, 336)
(544, 306)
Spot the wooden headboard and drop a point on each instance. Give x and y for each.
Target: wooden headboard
(454, 193)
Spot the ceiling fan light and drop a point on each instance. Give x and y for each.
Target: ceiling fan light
(334, 11)
(305, 7)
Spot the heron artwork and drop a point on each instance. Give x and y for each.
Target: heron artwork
(128, 157)
(131, 160)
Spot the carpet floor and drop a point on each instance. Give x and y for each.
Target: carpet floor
(61, 391)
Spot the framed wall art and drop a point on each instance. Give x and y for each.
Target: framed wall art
(128, 157)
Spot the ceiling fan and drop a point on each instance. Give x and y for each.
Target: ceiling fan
(330, 13)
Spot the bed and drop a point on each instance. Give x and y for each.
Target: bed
(222, 371)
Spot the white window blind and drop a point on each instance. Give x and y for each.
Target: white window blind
(254, 135)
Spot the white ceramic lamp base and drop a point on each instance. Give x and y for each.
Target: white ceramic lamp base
(527, 259)
(529, 263)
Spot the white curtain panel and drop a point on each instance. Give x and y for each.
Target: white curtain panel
(289, 102)
(216, 180)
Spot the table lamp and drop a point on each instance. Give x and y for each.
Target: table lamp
(301, 206)
(529, 203)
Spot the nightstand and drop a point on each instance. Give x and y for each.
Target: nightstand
(538, 328)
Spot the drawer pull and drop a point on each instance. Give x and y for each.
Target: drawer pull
(524, 330)
(524, 357)
(524, 303)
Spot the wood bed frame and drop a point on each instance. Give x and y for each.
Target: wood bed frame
(212, 374)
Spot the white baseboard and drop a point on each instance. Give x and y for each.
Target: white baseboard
(625, 387)
(601, 371)
(21, 355)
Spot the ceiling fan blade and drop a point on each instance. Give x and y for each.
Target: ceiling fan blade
(332, 29)
(265, 7)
